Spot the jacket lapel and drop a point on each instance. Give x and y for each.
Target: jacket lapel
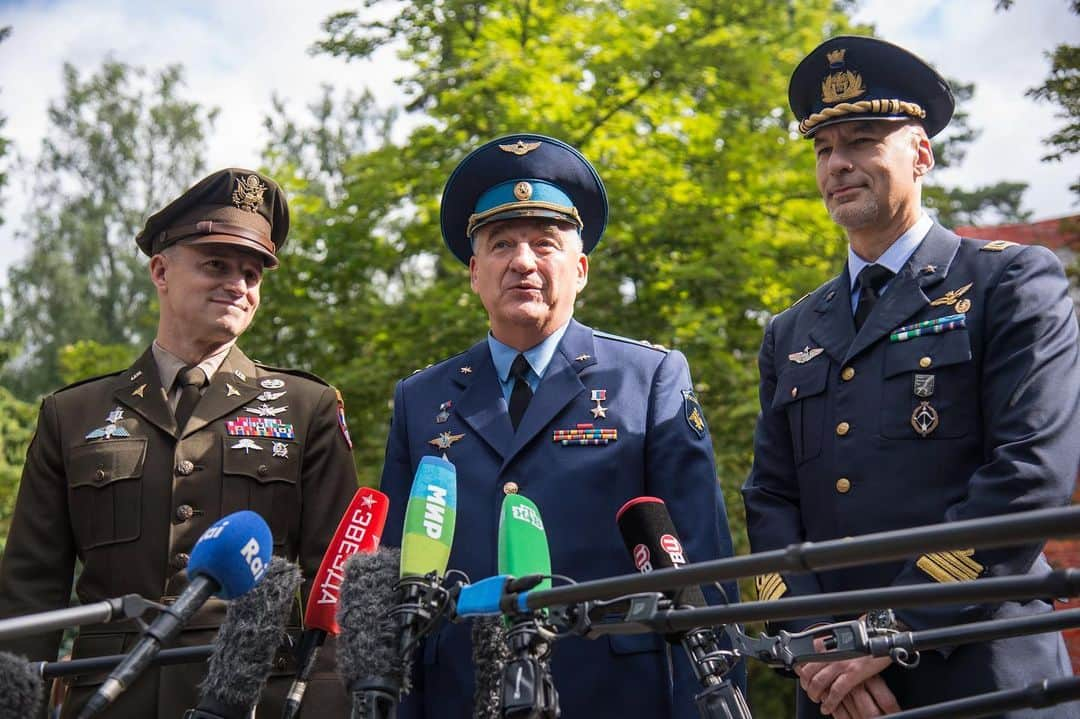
(140, 389)
(835, 326)
(559, 386)
(906, 296)
(481, 404)
(232, 387)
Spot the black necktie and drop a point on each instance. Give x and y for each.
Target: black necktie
(870, 281)
(191, 380)
(519, 398)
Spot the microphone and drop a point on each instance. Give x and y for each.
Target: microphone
(359, 530)
(426, 539)
(653, 542)
(489, 655)
(228, 560)
(22, 687)
(527, 686)
(373, 670)
(245, 645)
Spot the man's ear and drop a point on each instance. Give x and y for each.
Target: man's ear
(582, 272)
(474, 274)
(157, 271)
(924, 154)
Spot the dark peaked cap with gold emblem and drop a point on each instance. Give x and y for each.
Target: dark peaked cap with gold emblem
(522, 176)
(849, 77)
(230, 207)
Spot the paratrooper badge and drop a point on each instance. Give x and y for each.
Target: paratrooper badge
(111, 428)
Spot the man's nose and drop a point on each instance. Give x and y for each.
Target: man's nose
(237, 284)
(839, 161)
(523, 260)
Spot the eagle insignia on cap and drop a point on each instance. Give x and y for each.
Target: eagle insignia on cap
(842, 85)
(248, 194)
(520, 147)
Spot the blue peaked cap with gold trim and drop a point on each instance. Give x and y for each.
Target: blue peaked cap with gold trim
(850, 77)
(522, 176)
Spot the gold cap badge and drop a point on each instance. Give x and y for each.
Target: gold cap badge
(841, 85)
(523, 190)
(248, 194)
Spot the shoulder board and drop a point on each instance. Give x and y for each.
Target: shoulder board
(90, 379)
(440, 363)
(294, 372)
(418, 370)
(796, 302)
(996, 246)
(627, 340)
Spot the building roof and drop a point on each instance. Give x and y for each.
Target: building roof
(1056, 234)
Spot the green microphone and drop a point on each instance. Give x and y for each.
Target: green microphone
(430, 517)
(523, 545)
(526, 687)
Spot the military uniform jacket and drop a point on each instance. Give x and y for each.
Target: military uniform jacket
(578, 490)
(110, 480)
(839, 448)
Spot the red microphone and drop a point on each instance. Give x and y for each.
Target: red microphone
(358, 531)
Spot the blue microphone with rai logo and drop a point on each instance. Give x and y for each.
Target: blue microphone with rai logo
(228, 560)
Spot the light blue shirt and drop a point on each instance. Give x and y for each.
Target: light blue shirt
(893, 258)
(539, 358)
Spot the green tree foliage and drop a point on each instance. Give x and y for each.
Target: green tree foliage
(1062, 87)
(17, 421)
(121, 143)
(4, 144)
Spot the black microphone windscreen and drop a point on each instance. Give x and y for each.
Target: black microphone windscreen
(653, 542)
(367, 647)
(490, 653)
(253, 629)
(20, 687)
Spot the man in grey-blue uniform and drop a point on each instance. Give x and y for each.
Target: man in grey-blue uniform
(935, 379)
(523, 212)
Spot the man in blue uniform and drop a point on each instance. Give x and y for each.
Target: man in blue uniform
(935, 379)
(523, 212)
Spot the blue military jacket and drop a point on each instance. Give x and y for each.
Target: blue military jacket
(842, 448)
(578, 490)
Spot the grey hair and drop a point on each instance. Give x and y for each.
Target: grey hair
(576, 232)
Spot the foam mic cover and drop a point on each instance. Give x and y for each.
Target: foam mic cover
(359, 531)
(489, 656)
(367, 649)
(523, 544)
(228, 560)
(430, 517)
(246, 642)
(20, 688)
(653, 543)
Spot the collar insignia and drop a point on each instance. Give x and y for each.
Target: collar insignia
(138, 391)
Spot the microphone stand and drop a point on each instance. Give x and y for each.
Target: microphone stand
(528, 691)
(129, 606)
(721, 699)
(89, 665)
(1047, 693)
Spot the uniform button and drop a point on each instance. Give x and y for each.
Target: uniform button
(925, 362)
(185, 512)
(180, 560)
(263, 469)
(847, 374)
(99, 475)
(794, 391)
(185, 467)
(843, 428)
(510, 488)
(843, 485)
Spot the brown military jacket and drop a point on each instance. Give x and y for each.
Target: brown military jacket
(110, 481)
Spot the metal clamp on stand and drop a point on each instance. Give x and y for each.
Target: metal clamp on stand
(528, 691)
(842, 640)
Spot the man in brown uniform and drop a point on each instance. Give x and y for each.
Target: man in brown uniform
(127, 470)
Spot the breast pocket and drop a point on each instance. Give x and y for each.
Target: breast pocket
(800, 394)
(105, 487)
(262, 476)
(929, 388)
